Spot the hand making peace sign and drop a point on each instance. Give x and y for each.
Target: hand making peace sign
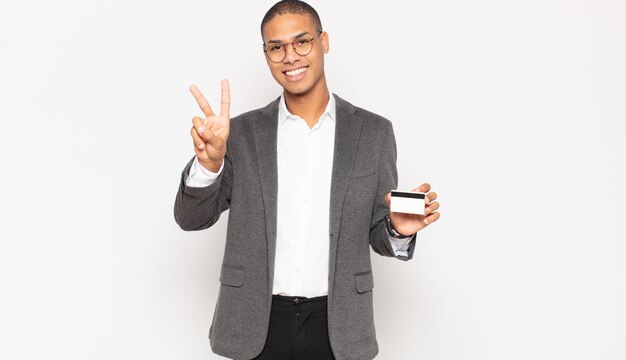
(210, 134)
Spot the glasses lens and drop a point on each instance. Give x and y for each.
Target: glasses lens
(275, 53)
(303, 46)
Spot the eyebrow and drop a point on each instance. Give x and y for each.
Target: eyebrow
(295, 37)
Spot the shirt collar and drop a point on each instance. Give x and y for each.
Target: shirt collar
(284, 114)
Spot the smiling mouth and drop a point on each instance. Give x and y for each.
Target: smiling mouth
(295, 72)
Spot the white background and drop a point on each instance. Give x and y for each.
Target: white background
(514, 111)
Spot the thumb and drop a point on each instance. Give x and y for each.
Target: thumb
(388, 199)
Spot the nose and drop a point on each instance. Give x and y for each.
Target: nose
(290, 55)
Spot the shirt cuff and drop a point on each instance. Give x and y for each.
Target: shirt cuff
(201, 177)
(401, 245)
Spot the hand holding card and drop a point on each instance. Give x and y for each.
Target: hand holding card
(411, 211)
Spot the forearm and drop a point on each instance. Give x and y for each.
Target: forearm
(199, 207)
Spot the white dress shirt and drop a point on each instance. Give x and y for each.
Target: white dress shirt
(304, 164)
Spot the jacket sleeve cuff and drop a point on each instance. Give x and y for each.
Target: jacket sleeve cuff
(201, 177)
(401, 245)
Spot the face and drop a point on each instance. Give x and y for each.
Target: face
(297, 74)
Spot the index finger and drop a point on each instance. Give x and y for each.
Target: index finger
(204, 105)
(425, 187)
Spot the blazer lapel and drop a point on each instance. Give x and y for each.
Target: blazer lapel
(265, 138)
(347, 133)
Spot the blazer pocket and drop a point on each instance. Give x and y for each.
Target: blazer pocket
(364, 281)
(232, 275)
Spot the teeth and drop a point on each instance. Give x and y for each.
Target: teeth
(295, 72)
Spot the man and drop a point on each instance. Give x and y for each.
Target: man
(307, 181)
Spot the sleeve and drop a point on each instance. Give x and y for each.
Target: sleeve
(201, 177)
(387, 180)
(401, 246)
(198, 208)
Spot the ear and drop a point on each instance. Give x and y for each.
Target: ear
(325, 43)
(264, 54)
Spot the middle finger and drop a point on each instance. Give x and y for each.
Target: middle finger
(431, 207)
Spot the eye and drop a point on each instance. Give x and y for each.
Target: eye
(302, 42)
(274, 48)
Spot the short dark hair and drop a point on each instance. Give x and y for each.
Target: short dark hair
(291, 7)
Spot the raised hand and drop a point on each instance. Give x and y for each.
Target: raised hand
(408, 224)
(210, 133)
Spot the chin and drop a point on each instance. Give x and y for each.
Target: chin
(296, 89)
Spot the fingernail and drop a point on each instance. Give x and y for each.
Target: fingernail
(201, 130)
(425, 221)
(201, 146)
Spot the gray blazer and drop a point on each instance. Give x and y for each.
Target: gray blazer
(364, 170)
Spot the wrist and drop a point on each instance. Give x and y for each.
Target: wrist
(212, 166)
(392, 230)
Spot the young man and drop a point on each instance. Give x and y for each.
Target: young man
(307, 181)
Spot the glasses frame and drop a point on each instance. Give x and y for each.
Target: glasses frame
(292, 45)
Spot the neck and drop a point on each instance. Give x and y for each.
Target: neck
(311, 105)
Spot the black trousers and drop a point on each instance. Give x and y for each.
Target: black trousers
(298, 330)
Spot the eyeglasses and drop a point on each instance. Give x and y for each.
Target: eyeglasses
(302, 46)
